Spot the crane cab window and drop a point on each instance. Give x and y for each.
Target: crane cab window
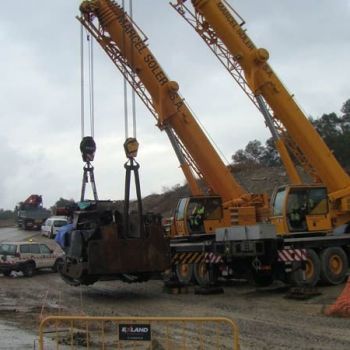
(279, 202)
(318, 200)
(180, 210)
(203, 209)
(303, 202)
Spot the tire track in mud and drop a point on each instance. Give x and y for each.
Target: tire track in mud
(266, 320)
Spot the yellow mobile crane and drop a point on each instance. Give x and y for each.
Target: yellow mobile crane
(196, 154)
(227, 231)
(232, 228)
(318, 212)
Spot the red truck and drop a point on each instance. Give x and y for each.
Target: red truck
(30, 214)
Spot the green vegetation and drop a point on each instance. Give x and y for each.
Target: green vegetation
(333, 128)
(7, 214)
(62, 203)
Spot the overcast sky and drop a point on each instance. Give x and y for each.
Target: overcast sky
(309, 45)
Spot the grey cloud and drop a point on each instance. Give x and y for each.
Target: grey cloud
(40, 88)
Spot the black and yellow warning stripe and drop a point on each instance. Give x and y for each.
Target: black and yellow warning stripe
(188, 258)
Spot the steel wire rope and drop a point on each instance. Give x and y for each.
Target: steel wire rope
(206, 132)
(133, 94)
(88, 169)
(91, 84)
(133, 100)
(125, 87)
(90, 81)
(82, 98)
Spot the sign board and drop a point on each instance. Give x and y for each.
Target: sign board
(134, 331)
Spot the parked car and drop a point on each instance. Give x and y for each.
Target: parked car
(52, 224)
(28, 257)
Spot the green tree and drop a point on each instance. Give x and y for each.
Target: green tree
(62, 203)
(253, 153)
(271, 156)
(256, 153)
(240, 157)
(334, 129)
(6, 214)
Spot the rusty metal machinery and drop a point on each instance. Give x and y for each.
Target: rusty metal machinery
(99, 248)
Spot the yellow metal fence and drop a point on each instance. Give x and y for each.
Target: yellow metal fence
(153, 333)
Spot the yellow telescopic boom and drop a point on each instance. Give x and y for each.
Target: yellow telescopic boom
(117, 28)
(263, 81)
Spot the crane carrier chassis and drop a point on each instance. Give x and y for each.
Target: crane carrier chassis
(98, 250)
(257, 254)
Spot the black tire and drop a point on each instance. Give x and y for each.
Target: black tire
(312, 271)
(7, 273)
(25, 225)
(334, 265)
(28, 269)
(58, 265)
(184, 273)
(202, 274)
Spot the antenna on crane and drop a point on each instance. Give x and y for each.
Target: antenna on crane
(87, 144)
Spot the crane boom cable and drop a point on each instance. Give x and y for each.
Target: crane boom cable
(206, 132)
(91, 84)
(87, 144)
(82, 98)
(133, 99)
(133, 94)
(125, 87)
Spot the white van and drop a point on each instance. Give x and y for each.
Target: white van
(52, 224)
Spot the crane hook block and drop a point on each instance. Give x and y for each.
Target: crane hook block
(131, 147)
(88, 148)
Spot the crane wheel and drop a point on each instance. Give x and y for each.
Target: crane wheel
(202, 274)
(334, 265)
(184, 273)
(312, 271)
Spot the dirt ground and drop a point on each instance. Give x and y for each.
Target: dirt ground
(266, 319)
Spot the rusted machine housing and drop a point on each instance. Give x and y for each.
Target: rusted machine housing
(99, 250)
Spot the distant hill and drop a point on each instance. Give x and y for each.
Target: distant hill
(254, 178)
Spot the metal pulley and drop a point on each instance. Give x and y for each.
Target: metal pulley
(131, 147)
(88, 148)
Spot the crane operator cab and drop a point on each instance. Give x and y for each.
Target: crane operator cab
(198, 215)
(301, 209)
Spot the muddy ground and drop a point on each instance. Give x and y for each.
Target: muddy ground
(266, 319)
